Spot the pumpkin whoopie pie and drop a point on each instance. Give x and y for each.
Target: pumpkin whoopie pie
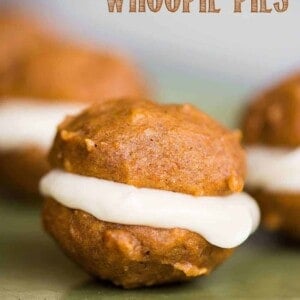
(271, 128)
(42, 79)
(144, 194)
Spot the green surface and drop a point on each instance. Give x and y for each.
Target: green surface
(220, 99)
(33, 267)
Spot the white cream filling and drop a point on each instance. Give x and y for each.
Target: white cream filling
(25, 122)
(223, 221)
(273, 169)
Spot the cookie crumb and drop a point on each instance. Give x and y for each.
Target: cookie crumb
(90, 145)
(67, 135)
(235, 184)
(67, 165)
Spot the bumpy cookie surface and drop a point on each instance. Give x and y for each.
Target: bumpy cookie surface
(141, 143)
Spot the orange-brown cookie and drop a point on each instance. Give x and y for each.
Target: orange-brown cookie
(280, 212)
(165, 151)
(20, 37)
(38, 66)
(130, 256)
(151, 145)
(79, 73)
(273, 118)
(21, 170)
(271, 128)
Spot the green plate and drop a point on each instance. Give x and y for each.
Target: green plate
(33, 267)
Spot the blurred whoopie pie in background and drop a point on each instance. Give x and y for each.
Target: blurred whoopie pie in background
(43, 77)
(271, 128)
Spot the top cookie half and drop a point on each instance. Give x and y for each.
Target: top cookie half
(145, 144)
(273, 118)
